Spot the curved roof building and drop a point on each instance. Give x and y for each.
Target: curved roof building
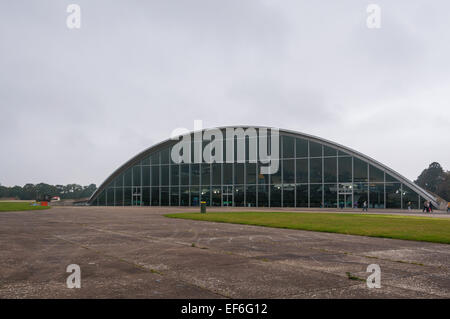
(227, 167)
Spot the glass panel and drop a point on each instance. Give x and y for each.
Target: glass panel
(263, 195)
(389, 178)
(217, 173)
(276, 177)
(145, 175)
(110, 196)
(184, 192)
(119, 196)
(175, 174)
(154, 159)
(275, 196)
(206, 174)
(251, 196)
(263, 178)
(195, 174)
(315, 195)
(228, 173)
(376, 175)
(155, 175)
(239, 195)
(155, 196)
(328, 151)
(216, 196)
(224, 150)
(302, 170)
(302, 195)
(342, 153)
(301, 147)
(165, 156)
(184, 174)
(360, 170)
(330, 169)
(146, 161)
(136, 176)
(376, 196)
(195, 196)
(127, 196)
(345, 169)
(359, 194)
(289, 171)
(127, 179)
(330, 195)
(118, 182)
(165, 175)
(289, 195)
(315, 149)
(239, 173)
(288, 147)
(251, 173)
(146, 196)
(174, 196)
(393, 195)
(164, 196)
(316, 170)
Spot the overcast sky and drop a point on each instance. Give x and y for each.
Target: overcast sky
(77, 103)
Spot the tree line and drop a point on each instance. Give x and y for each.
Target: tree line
(36, 191)
(436, 180)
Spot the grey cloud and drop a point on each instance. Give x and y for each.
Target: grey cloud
(76, 104)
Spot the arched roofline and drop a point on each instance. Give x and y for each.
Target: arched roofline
(168, 142)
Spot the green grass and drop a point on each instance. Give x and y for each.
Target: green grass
(352, 277)
(428, 229)
(19, 206)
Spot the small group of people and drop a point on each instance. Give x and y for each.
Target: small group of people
(427, 207)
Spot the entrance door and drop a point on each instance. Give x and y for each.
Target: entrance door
(345, 195)
(136, 196)
(227, 195)
(343, 200)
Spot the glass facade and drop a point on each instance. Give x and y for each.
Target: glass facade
(310, 174)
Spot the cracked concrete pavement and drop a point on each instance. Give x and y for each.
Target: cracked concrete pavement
(138, 253)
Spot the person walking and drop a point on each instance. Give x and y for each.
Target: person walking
(409, 206)
(431, 207)
(448, 207)
(365, 206)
